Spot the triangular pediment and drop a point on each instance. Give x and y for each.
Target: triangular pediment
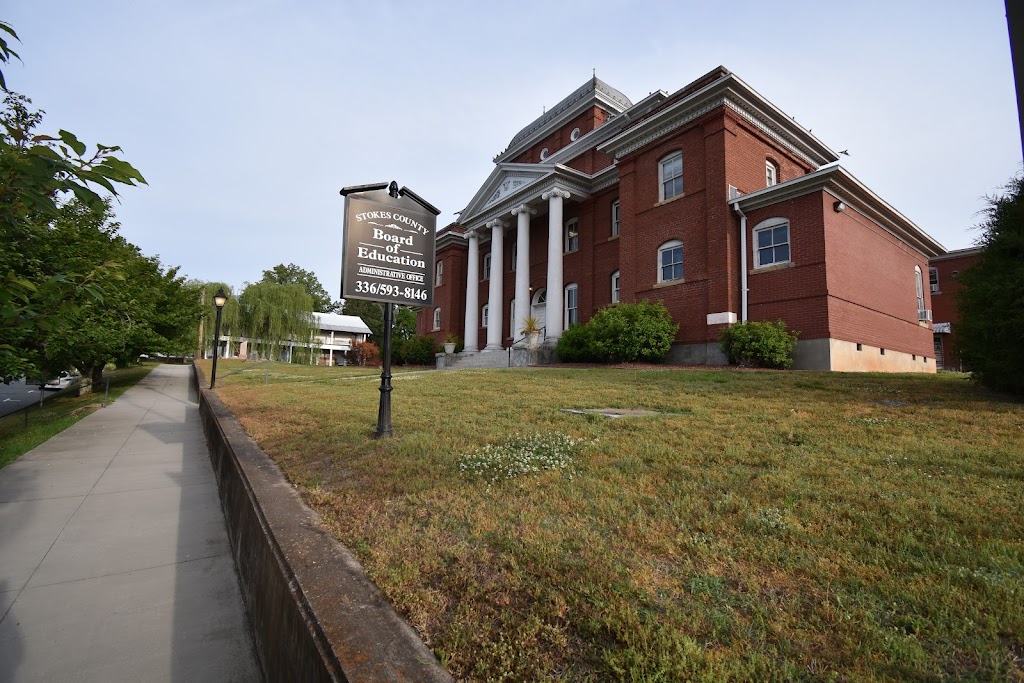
(504, 181)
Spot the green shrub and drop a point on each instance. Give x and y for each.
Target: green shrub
(619, 334)
(418, 350)
(762, 345)
(626, 333)
(576, 345)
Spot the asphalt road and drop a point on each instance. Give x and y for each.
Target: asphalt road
(16, 395)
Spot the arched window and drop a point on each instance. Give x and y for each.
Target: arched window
(771, 242)
(615, 287)
(670, 176)
(771, 173)
(437, 318)
(670, 261)
(572, 304)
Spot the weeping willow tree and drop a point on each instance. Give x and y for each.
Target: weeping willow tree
(229, 318)
(276, 317)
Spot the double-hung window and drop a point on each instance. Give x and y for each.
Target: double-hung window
(670, 261)
(670, 175)
(771, 173)
(437, 319)
(919, 284)
(933, 279)
(572, 305)
(771, 243)
(438, 273)
(572, 235)
(615, 218)
(485, 272)
(484, 314)
(615, 287)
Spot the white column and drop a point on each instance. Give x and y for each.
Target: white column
(556, 304)
(495, 294)
(523, 212)
(472, 293)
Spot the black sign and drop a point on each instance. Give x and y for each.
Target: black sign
(388, 247)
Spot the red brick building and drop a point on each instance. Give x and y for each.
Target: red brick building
(709, 199)
(943, 278)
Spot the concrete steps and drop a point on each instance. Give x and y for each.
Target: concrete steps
(489, 359)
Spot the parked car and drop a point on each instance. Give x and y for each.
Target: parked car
(61, 381)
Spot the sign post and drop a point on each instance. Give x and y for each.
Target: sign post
(388, 258)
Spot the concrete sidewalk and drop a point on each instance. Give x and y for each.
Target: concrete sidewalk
(114, 559)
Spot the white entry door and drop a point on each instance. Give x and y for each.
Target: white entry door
(539, 308)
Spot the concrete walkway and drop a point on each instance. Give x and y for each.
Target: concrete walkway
(114, 559)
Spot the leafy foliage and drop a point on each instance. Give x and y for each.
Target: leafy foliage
(419, 350)
(577, 345)
(293, 275)
(37, 175)
(364, 353)
(626, 332)
(759, 344)
(5, 50)
(275, 316)
(98, 299)
(991, 330)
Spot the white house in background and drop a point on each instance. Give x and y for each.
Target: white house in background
(335, 334)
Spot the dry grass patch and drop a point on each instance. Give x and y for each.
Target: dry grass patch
(763, 526)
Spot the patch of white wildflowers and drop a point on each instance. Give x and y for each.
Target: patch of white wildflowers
(520, 455)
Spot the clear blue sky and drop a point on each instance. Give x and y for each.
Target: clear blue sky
(247, 117)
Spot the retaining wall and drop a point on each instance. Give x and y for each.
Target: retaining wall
(315, 615)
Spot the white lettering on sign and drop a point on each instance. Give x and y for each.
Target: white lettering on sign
(372, 216)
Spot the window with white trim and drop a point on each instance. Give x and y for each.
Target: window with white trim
(572, 235)
(544, 154)
(615, 287)
(437, 319)
(670, 261)
(575, 134)
(771, 173)
(438, 272)
(512, 315)
(572, 305)
(483, 314)
(615, 218)
(485, 272)
(771, 242)
(919, 284)
(515, 253)
(670, 176)
(933, 279)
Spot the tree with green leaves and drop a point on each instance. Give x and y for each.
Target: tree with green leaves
(293, 275)
(991, 327)
(275, 316)
(137, 306)
(38, 173)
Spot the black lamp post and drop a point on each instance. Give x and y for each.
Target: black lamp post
(219, 299)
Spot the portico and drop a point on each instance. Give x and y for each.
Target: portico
(551, 199)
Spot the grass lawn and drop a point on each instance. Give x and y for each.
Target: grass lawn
(758, 526)
(59, 413)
